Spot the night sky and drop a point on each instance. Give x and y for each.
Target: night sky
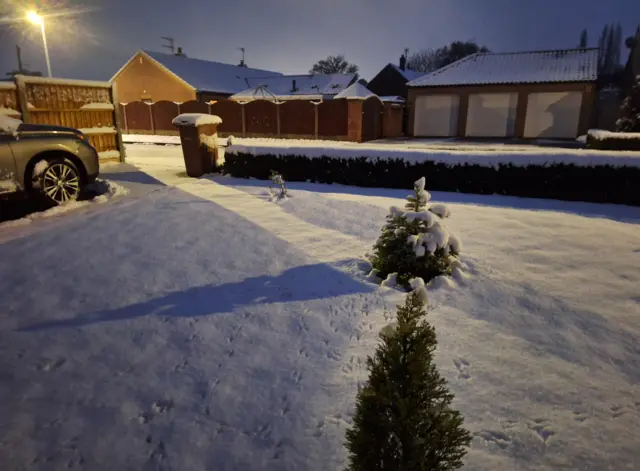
(290, 35)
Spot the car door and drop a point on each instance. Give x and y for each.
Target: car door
(8, 174)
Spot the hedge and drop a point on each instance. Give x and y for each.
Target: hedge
(603, 140)
(598, 184)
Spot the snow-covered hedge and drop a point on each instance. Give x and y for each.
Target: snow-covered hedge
(598, 183)
(607, 140)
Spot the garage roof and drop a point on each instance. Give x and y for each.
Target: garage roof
(568, 65)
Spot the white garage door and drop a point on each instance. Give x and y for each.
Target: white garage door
(492, 115)
(436, 116)
(553, 115)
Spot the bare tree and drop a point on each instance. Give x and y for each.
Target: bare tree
(609, 45)
(425, 60)
(428, 60)
(334, 65)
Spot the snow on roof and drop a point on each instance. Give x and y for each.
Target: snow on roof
(7, 85)
(408, 74)
(357, 91)
(63, 81)
(331, 84)
(195, 119)
(206, 75)
(570, 65)
(392, 99)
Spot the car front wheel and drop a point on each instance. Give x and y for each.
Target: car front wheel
(60, 182)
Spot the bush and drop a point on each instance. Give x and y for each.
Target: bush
(403, 418)
(598, 184)
(605, 140)
(415, 243)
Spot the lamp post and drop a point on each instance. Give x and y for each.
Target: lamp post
(37, 19)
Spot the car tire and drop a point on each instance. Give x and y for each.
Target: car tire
(60, 182)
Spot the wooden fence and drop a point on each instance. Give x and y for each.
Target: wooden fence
(84, 105)
(295, 119)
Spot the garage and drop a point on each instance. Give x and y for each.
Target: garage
(491, 115)
(553, 115)
(532, 95)
(436, 116)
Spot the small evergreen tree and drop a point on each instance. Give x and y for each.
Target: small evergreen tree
(403, 419)
(415, 243)
(630, 111)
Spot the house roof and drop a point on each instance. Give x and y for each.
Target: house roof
(305, 84)
(208, 76)
(408, 74)
(569, 65)
(357, 91)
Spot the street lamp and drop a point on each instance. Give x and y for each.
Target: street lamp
(37, 19)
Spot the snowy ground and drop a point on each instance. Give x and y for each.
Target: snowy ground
(418, 150)
(198, 326)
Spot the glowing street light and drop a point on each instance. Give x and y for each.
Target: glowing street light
(37, 19)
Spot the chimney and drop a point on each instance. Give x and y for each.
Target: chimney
(293, 86)
(179, 53)
(403, 62)
(242, 64)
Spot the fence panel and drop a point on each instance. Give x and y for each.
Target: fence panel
(138, 118)
(372, 109)
(83, 105)
(193, 106)
(332, 119)
(297, 119)
(261, 119)
(163, 113)
(231, 114)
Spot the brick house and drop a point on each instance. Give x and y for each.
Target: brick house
(540, 94)
(392, 80)
(154, 76)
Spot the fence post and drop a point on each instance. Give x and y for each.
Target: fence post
(208, 107)
(113, 95)
(278, 119)
(153, 127)
(21, 88)
(124, 116)
(315, 117)
(244, 127)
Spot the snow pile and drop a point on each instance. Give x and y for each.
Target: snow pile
(104, 190)
(149, 139)
(109, 154)
(9, 112)
(230, 141)
(9, 125)
(97, 107)
(600, 134)
(195, 119)
(8, 184)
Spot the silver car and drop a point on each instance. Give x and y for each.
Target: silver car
(53, 162)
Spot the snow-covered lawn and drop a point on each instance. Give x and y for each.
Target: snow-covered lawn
(202, 327)
(488, 154)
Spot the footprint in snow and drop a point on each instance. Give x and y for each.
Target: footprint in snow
(462, 366)
(542, 429)
(493, 436)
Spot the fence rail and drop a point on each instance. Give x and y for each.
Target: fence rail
(85, 105)
(262, 118)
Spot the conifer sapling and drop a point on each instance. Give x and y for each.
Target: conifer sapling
(415, 242)
(403, 419)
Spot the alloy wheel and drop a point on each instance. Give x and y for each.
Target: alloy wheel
(61, 183)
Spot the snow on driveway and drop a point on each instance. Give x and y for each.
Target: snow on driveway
(170, 333)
